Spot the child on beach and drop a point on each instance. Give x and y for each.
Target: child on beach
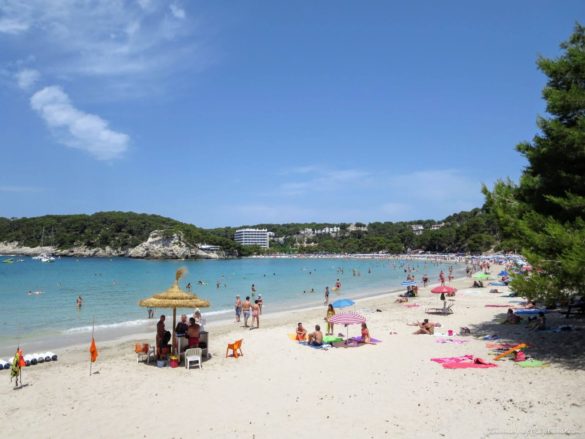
(301, 332)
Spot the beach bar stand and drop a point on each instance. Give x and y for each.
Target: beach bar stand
(174, 298)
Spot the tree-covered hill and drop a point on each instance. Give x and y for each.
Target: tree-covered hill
(472, 231)
(119, 230)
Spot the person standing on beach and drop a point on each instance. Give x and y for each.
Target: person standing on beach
(260, 302)
(442, 278)
(255, 314)
(238, 306)
(326, 295)
(246, 309)
(330, 313)
(160, 334)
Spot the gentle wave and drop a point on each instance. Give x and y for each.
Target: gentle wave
(128, 324)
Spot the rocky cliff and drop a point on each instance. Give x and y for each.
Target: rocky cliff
(157, 246)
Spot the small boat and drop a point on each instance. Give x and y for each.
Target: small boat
(8, 261)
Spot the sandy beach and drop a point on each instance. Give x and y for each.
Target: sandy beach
(280, 388)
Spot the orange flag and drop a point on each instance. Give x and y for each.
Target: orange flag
(93, 351)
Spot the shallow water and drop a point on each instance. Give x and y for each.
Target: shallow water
(111, 288)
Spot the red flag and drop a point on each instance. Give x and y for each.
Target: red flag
(21, 361)
(93, 351)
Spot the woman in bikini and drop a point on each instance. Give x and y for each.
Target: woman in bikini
(330, 313)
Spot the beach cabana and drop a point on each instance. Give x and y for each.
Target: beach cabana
(174, 298)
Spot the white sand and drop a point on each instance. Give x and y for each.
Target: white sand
(280, 389)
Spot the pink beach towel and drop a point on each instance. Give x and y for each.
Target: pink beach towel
(412, 305)
(478, 363)
(453, 359)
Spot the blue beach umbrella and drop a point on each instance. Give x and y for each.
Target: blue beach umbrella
(408, 283)
(343, 303)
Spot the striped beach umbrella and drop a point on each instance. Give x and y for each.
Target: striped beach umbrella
(347, 318)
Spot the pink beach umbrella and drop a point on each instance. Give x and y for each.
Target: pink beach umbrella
(445, 290)
(347, 318)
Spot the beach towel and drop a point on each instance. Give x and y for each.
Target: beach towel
(497, 306)
(504, 346)
(331, 339)
(359, 339)
(498, 284)
(412, 305)
(324, 346)
(491, 337)
(478, 363)
(451, 340)
(453, 359)
(531, 363)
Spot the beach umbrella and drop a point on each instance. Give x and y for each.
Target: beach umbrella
(343, 303)
(174, 298)
(443, 290)
(481, 275)
(346, 319)
(503, 273)
(408, 283)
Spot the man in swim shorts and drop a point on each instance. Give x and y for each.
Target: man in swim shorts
(316, 338)
(246, 306)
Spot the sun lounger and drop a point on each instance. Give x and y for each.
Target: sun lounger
(446, 310)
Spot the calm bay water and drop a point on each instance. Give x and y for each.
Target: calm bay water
(111, 288)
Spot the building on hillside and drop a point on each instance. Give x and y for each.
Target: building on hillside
(333, 231)
(437, 226)
(417, 229)
(357, 228)
(257, 237)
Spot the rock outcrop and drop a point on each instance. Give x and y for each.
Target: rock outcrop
(157, 246)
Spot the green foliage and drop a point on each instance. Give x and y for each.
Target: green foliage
(118, 230)
(544, 215)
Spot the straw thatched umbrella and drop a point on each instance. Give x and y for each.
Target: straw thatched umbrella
(174, 298)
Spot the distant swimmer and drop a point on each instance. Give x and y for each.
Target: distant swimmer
(79, 302)
(338, 284)
(188, 286)
(34, 293)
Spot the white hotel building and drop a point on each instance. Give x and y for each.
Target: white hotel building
(257, 237)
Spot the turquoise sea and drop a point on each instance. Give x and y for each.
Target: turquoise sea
(111, 288)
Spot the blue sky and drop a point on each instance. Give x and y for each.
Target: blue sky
(229, 113)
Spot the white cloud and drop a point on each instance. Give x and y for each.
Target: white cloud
(177, 11)
(12, 26)
(27, 78)
(76, 128)
(319, 179)
(102, 39)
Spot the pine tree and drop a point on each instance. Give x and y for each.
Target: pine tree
(544, 215)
